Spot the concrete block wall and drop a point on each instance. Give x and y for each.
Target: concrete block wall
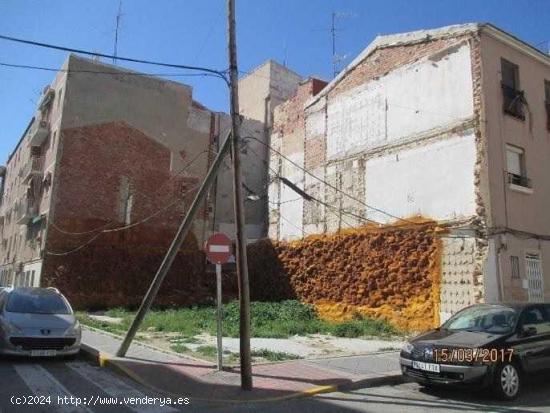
(457, 270)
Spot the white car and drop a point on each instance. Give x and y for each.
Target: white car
(37, 322)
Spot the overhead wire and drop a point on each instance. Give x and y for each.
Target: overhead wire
(218, 73)
(122, 228)
(99, 72)
(337, 211)
(177, 174)
(330, 185)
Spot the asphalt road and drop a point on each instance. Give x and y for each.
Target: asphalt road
(409, 398)
(50, 384)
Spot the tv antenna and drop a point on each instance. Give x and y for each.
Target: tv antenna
(118, 16)
(337, 59)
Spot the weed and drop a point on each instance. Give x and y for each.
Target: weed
(274, 355)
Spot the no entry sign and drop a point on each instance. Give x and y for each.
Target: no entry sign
(218, 248)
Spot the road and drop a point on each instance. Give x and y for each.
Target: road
(24, 380)
(410, 398)
(52, 383)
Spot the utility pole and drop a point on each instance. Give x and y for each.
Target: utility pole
(242, 264)
(172, 252)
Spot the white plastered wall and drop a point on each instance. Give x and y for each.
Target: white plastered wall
(292, 204)
(427, 94)
(434, 180)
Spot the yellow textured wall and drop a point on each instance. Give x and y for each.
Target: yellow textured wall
(391, 273)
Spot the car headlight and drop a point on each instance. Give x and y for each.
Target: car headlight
(12, 328)
(74, 330)
(408, 348)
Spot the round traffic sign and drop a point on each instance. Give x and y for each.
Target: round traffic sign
(218, 248)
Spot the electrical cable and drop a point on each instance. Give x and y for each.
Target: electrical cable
(332, 209)
(330, 185)
(177, 174)
(218, 73)
(96, 72)
(122, 228)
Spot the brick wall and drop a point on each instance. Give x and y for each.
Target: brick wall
(387, 58)
(98, 167)
(289, 135)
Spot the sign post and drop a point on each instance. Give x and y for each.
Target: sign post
(218, 252)
(219, 315)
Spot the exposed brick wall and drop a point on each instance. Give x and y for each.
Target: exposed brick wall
(315, 154)
(289, 137)
(481, 172)
(386, 59)
(116, 267)
(289, 116)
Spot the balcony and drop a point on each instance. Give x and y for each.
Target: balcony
(33, 167)
(38, 132)
(24, 211)
(513, 101)
(47, 98)
(519, 183)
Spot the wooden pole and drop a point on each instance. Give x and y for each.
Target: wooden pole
(240, 234)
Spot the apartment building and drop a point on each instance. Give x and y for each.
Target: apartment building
(451, 125)
(96, 187)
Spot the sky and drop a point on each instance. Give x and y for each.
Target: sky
(193, 32)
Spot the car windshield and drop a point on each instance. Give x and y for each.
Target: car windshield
(487, 319)
(37, 301)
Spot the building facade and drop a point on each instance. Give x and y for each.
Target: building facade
(99, 182)
(449, 125)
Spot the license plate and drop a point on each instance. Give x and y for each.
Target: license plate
(43, 353)
(419, 365)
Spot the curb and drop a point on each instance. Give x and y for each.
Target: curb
(106, 361)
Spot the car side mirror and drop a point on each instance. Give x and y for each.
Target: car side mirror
(529, 332)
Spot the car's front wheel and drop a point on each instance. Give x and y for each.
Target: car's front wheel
(507, 381)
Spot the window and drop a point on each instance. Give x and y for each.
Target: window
(512, 95)
(37, 302)
(515, 166)
(534, 278)
(547, 102)
(514, 262)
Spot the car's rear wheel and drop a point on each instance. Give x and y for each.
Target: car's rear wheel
(507, 381)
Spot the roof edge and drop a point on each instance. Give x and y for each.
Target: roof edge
(397, 40)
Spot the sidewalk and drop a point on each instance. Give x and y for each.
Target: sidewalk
(181, 376)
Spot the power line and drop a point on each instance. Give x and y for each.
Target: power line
(309, 197)
(122, 228)
(96, 72)
(171, 178)
(218, 73)
(77, 248)
(328, 184)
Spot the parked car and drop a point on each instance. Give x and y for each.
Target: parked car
(37, 322)
(493, 345)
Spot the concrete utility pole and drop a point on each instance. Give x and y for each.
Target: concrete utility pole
(242, 264)
(183, 230)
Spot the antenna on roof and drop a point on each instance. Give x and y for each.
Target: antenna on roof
(118, 16)
(336, 58)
